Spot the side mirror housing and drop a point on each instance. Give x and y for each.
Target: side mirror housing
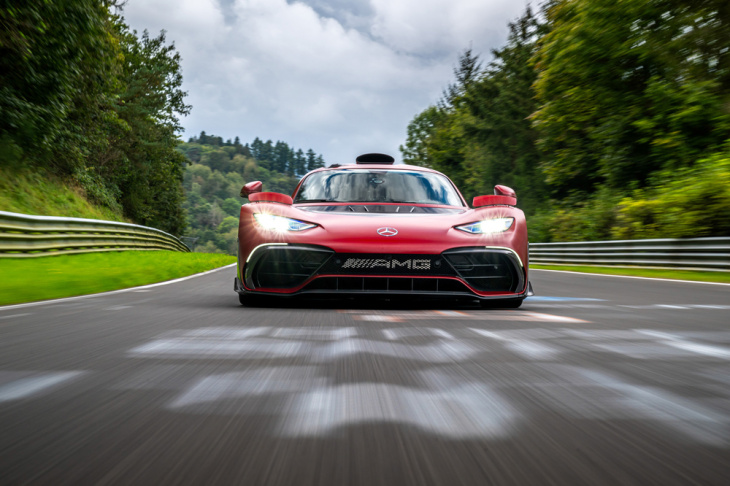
(504, 191)
(251, 188)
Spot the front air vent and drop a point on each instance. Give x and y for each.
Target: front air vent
(283, 267)
(487, 270)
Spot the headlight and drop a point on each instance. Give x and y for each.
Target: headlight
(280, 223)
(488, 226)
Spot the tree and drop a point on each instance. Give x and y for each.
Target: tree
(58, 78)
(630, 88)
(311, 160)
(150, 106)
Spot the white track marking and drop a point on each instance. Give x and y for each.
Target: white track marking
(525, 347)
(378, 318)
(475, 411)
(629, 276)
(232, 343)
(34, 384)
(552, 318)
(101, 294)
(440, 333)
(331, 334)
(686, 345)
(15, 315)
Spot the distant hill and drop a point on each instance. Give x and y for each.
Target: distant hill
(217, 171)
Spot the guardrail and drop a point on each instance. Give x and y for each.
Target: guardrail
(703, 253)
(23, 235)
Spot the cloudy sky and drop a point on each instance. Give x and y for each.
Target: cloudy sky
(342, 77)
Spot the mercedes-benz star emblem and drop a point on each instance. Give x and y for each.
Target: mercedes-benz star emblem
(387, 231)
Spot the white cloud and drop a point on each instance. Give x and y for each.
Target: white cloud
(312, 75)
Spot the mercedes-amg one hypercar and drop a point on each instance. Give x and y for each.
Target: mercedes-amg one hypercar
(385, 229)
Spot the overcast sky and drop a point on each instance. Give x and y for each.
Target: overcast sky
(342, 77)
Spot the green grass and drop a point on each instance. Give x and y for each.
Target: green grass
(697, 276)
(39, 193)
(52, 277)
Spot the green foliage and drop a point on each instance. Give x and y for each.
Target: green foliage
(218, 171)
(57, 60)
(630, 88)
(86, 98)
(69, 275)
(479, 133)
(690, 202)
(603, 116)
(39, 192)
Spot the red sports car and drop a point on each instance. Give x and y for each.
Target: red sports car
(374, 228)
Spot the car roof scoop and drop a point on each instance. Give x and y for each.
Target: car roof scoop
(375, 159)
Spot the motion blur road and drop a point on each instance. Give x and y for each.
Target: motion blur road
(595, 380)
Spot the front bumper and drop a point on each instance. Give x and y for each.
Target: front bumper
(477, 272)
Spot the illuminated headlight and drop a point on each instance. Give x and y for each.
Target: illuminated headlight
(280, 223)
(488, 226)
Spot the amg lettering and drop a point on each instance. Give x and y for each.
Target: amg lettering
(372, 263)
(421, 264)
(395, 264)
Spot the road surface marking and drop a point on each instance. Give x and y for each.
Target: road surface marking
(34, 384)
(378, 318)
(553, 318)
(683, 344)
(527, 348)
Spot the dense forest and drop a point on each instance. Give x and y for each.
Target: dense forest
(610, 119)
(214, 179)
(85, 99)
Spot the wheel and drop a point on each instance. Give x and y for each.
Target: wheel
(251, 300)
(501, 304)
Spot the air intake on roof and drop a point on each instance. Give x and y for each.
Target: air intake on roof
(375, 159)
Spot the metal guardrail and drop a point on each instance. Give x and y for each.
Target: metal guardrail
(23, 235)
(703, 253)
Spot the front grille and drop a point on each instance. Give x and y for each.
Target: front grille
(387, 285)
(281, 267)
(487, 270)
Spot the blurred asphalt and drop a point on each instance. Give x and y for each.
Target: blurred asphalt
(595, 380)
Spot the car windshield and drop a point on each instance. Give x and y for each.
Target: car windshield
(378, 186)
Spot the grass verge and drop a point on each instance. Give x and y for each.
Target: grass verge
(53, 277)
(40, 193)
(695, 276)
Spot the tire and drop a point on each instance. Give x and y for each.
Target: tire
(250, 300)
(501, 304)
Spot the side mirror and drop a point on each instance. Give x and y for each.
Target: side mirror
(504, 191)
(251, 188)
(503, 196)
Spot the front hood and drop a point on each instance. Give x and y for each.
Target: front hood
(424, 230)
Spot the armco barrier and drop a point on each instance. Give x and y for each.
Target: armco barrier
(704, 253)
(23, 235)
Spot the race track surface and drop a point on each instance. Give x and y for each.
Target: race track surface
(596, 380)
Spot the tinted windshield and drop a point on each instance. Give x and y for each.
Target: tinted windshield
(373, 186)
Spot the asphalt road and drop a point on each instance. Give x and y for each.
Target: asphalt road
(596, 380)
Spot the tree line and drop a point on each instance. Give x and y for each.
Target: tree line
(85, 97)
(217, 172)
(610, 119)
